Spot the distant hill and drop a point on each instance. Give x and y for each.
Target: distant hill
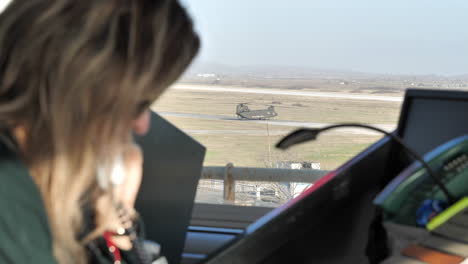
(271, 71)
(292, 72)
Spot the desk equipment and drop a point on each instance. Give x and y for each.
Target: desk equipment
(453, 222)
(413, 190)
(413, 199)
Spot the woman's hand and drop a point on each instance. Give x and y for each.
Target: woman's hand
(125, 193)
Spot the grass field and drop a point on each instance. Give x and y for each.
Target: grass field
(250, 144)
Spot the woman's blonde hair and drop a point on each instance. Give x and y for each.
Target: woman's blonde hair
(75, 74)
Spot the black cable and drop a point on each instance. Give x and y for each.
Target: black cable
(140, 251)
(306, 134)
(132, 224)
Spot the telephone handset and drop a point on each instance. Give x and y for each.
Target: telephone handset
(412, 191)
(115, 175)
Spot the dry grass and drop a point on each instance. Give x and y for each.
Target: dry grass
(330, 150)
(293, 108)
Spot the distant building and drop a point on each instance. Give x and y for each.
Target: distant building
(298, 165)
(206, 75)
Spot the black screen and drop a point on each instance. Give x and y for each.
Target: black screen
(431, 122)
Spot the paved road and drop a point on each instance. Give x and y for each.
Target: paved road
(387, 127)
(287, 92)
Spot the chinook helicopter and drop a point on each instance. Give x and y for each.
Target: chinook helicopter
(243, 112)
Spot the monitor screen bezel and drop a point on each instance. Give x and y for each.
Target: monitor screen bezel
(424, 94)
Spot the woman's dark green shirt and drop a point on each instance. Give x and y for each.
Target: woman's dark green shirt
(24, 231)
(25, 236)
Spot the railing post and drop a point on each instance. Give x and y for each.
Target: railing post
(229, 192)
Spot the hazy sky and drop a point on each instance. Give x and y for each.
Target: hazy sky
(384, 36)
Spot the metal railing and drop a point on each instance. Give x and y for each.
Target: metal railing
(230, 174)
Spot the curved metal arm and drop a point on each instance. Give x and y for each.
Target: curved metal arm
(305, 134)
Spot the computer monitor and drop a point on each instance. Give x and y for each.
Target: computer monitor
(432, 117)
(172, 166)
(331, 222)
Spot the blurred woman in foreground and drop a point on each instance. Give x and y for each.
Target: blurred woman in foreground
(77, 78)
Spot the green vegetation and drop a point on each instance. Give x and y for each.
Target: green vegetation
(252, 151)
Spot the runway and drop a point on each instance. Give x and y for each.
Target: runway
(273, 122)
(287, 93)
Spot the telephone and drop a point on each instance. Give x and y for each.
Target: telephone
(145, 251)
(405, 196)
(115, 175)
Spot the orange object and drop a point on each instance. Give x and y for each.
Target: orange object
(431, 256)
